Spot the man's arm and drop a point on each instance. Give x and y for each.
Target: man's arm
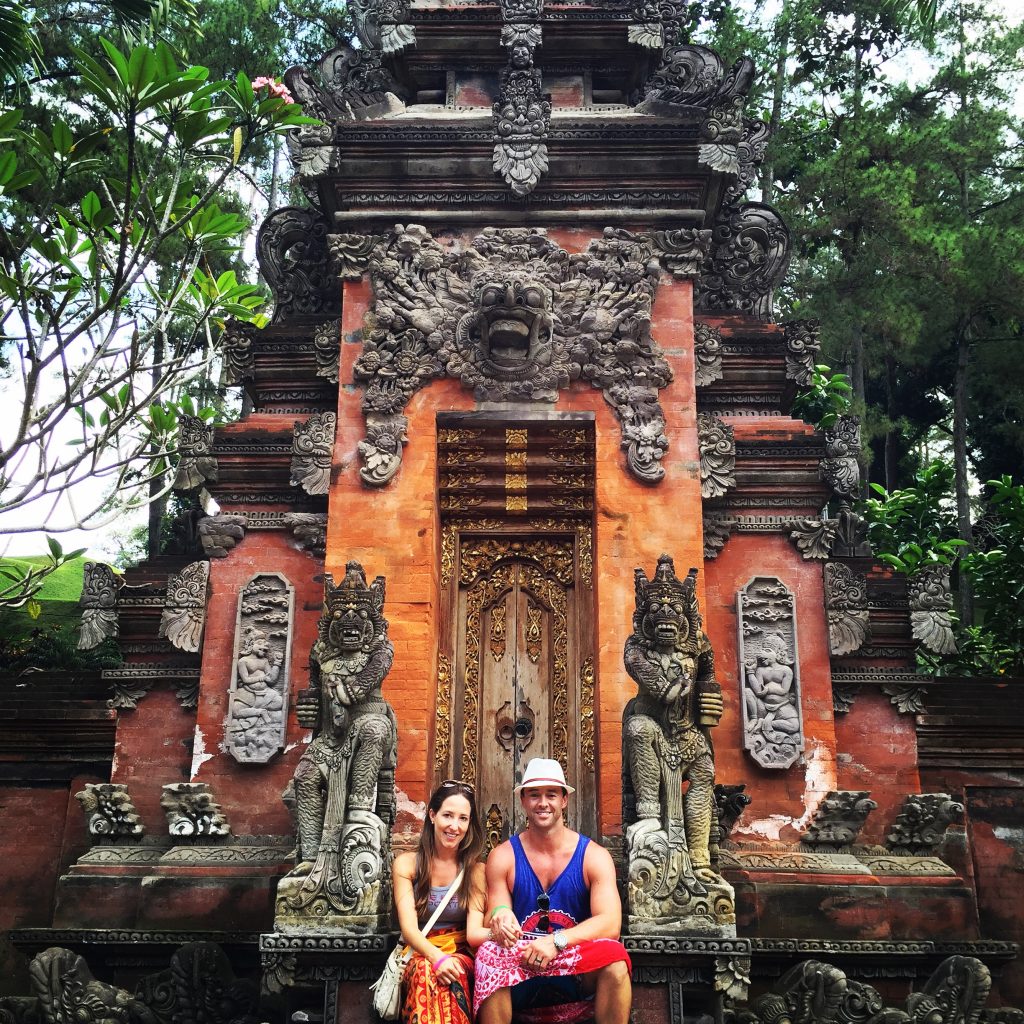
(605, 921)
(499, 871)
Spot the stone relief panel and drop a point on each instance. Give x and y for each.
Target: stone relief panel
(931, 605)
(258, 699)
(846, 604)
(516, 317)
(773, 732)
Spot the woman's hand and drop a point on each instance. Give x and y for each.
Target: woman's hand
(505, 929)
(449, 970)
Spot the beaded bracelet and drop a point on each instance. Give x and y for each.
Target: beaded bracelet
(437, 963)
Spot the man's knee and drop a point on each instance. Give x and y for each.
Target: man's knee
(616, 973)
(496, 1008)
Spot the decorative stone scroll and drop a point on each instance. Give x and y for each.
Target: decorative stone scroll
(838, 819)
(383, 25)
(291, 248)
(846, 602)
(236, 350)
(184, 614)
(670, 883)
(192, 811)
(813, 537)
(109, 811)
(930, 606)
(98, 602)
(313, 452)
(717, 446)
(772, 714)
(258, 699)
(803, 346)
(220, 533)
(345, 779)
(921, 825)
(515, 317)
(717, 530)
(840, 468)
(196, 464)
(707, 348)
(814, 992)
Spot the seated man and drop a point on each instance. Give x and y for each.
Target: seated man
(555, 915)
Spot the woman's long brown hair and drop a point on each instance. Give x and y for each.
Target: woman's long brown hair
(470, 848)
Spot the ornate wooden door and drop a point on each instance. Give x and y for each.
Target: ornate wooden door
(522, 671)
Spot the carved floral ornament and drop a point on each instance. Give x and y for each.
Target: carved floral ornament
(515, 317)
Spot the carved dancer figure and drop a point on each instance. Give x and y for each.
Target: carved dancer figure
(771, 702)
(256, 708)
(555, 916)
(344, 782)
(666, 743)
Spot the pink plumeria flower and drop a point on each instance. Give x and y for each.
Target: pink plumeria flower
(274, 87)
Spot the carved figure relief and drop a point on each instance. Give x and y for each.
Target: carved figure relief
(109, 811)
(345, 779)
(184, 613)
(666, 742)
(258, 699)
(514, 316)
(930, 606)
(846, 603)
(98, 602)
(770, 688)
(717, 446)
(192, 811)
(196, 465)
(313, 452)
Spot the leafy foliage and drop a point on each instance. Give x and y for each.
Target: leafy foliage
(825, 398)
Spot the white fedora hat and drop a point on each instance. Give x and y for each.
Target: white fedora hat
(543, 771)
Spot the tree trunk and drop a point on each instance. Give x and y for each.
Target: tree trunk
(157, 503)
(961, 477)
(778, 90)
(892, 454)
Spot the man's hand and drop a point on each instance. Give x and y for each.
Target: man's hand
(450, 971)
(505, 928)
(536, 955)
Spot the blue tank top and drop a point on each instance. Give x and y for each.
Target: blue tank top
(569, 896)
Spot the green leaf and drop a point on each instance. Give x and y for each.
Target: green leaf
(34, 608)
(55, 549)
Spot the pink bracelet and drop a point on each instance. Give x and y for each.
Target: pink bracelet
(437, 963)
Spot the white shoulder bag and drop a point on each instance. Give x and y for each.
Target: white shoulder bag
(387, 989)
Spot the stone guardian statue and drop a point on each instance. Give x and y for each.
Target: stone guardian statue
(671, 884)
(345, 780)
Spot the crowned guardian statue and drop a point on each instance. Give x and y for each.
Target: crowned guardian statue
(345, 780)
(666, 738)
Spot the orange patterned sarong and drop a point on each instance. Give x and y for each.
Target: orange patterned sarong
(425, 1000)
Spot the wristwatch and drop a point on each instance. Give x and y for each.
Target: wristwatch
(561, 940)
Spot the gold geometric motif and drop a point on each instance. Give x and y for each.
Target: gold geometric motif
(442, 735)
(480, 554)
(515, 481)
(553, 595)
(515, 503)
(587, 713)
(484, 594)
(515, 438)
(498, 632)
(533, 631)
(515, 460)
(494, 828)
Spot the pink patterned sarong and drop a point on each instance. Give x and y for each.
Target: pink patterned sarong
(497, 968)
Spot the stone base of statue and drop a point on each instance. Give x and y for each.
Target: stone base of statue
(666, 894)
(346, 890)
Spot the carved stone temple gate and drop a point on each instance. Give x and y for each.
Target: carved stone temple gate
(522, 346)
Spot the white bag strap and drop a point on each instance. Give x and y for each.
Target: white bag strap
(444, 903)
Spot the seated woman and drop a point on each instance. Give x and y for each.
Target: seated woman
(437, 984)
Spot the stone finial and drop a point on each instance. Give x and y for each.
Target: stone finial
(98, 602)
(109, 811)
(838, 819)
(184, 613)
(930, 605)
(803, 345)
(921, 825)
(192, 811)
(327, 349)
(846, 602)
(313, 452)
(707, 349)
(236, 347)
(220, 533)
(840, 468)
(196, 464)
(717, 446)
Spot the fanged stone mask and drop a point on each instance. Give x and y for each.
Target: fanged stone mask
(663, 605)
(511, 327)
(353, 610)
(350, 628)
